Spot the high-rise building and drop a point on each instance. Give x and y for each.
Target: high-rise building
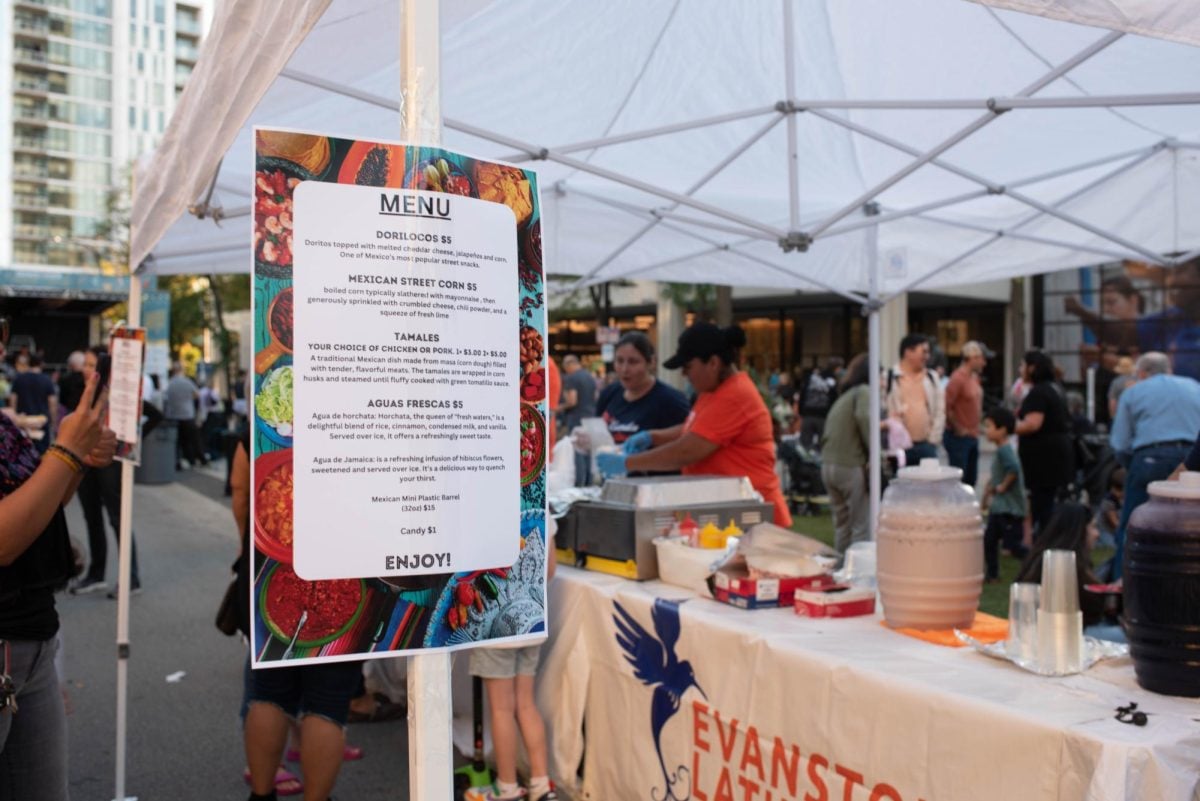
(86, 87)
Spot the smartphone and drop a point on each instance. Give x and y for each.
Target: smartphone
(104, 368)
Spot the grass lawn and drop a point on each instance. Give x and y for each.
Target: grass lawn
(995, 596)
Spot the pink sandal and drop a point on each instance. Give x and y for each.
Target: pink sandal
(286, 783)
(351, 753)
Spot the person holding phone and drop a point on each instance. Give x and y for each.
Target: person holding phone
(100, 492)
(35, 561)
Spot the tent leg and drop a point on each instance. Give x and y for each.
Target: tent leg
(873, 308)
(124, 560)
(430, 715)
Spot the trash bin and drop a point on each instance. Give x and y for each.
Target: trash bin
(158, 455)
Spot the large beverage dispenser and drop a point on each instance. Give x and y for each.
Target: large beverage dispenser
(930, 549)
(1162, 587)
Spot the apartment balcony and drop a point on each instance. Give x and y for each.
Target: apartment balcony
(36, 172)
(187, 27)
(36, 144)
(32, 27)
(25, 201)
(31, 115)
(186, 53)
(27, 55)
(31, 5)
(30, 86)
(37, 233)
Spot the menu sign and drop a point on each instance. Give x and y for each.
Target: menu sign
(399, 406)
(127, 350)
(406, 371)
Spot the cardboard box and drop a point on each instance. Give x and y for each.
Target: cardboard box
(738, 589)
(837, 600)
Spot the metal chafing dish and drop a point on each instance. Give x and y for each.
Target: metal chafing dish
(615, 534)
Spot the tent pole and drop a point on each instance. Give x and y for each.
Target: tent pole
(615, 177)
(691, 190)
(873, 307)
(430, 712)
(793, 157)
(1041, 240)
(124, 556)
(969, 196)
(980, 122)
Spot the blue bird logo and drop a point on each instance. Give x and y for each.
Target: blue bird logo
(656, 665)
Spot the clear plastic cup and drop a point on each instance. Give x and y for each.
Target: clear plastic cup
(1023, 620)
(1060, 582)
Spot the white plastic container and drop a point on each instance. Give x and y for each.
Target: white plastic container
(684, 566)
(930, 549)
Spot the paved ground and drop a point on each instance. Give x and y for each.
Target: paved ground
(184, 738)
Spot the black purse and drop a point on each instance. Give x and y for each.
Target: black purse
(227, 612)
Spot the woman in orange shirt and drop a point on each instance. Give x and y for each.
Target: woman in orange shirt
(728, 433)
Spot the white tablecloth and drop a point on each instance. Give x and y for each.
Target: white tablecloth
(783, 707)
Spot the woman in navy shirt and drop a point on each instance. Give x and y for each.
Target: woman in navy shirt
(638, 401)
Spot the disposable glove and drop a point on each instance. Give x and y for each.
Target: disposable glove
(610, 465)
(641, 441)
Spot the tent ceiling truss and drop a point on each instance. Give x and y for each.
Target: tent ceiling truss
(794, 238)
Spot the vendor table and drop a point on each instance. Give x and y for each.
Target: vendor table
(766, 706)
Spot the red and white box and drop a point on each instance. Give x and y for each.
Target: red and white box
(738, 589)
(838, 600)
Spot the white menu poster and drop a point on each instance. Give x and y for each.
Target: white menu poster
(407, 432)
(125, 390)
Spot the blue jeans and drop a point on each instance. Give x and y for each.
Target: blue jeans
(1145, 466)
(33, 743)
(964, 454)
(919, 451)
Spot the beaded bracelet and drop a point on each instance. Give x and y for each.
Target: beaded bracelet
(68, 458)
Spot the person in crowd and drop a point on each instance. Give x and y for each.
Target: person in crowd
(1176, 329)
(1043, 438)
(34, 393)
(1191, 461)
(1069, 529)
(180, 407)
(639, 401)
(1152, 432)
(578, 401)
(729, 431)
(1004, 495)
(70, 384)
(914, 396)
(1122, 380)
(35, 561)
(846, 453)
(1120, 306)
(964, 407)
(211, 416)
(508, 679)
(317, 695)
(100, 492)
(1108, 515)
(816, 398)
(1077, 411)
(1105, 375)
(7, 373)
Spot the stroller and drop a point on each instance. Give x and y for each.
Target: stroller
(1094, 462)
(803, 486)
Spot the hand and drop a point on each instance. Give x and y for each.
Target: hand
(106, 448)
(610, 465)
(80, 431)
(641, 441)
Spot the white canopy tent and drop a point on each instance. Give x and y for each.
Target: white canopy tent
(862, 147)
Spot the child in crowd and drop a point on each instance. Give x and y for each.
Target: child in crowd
(1004, 496)
(1108, 517)
(508, 675)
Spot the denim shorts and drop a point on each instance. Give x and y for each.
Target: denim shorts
(324, 690)
(505, 663)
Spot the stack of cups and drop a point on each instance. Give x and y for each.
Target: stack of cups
(1059, 621)
(1022, 642)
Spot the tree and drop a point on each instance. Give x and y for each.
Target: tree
(700, 299)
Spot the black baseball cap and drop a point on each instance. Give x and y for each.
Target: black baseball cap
(701, 341)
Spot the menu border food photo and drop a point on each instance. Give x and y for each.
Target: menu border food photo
(382, 616)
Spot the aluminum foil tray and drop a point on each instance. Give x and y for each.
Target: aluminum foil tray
(675, 491)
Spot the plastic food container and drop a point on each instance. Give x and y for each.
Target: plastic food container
(1162, 583)
(684, 566)
(930, 549)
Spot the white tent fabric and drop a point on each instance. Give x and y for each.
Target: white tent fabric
(524, 79)
(1176, 21)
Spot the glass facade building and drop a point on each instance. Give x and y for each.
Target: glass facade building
(90, 86)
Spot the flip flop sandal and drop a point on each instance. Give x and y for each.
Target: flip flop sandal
(351, 753)
(286, 783)
(384, 709)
